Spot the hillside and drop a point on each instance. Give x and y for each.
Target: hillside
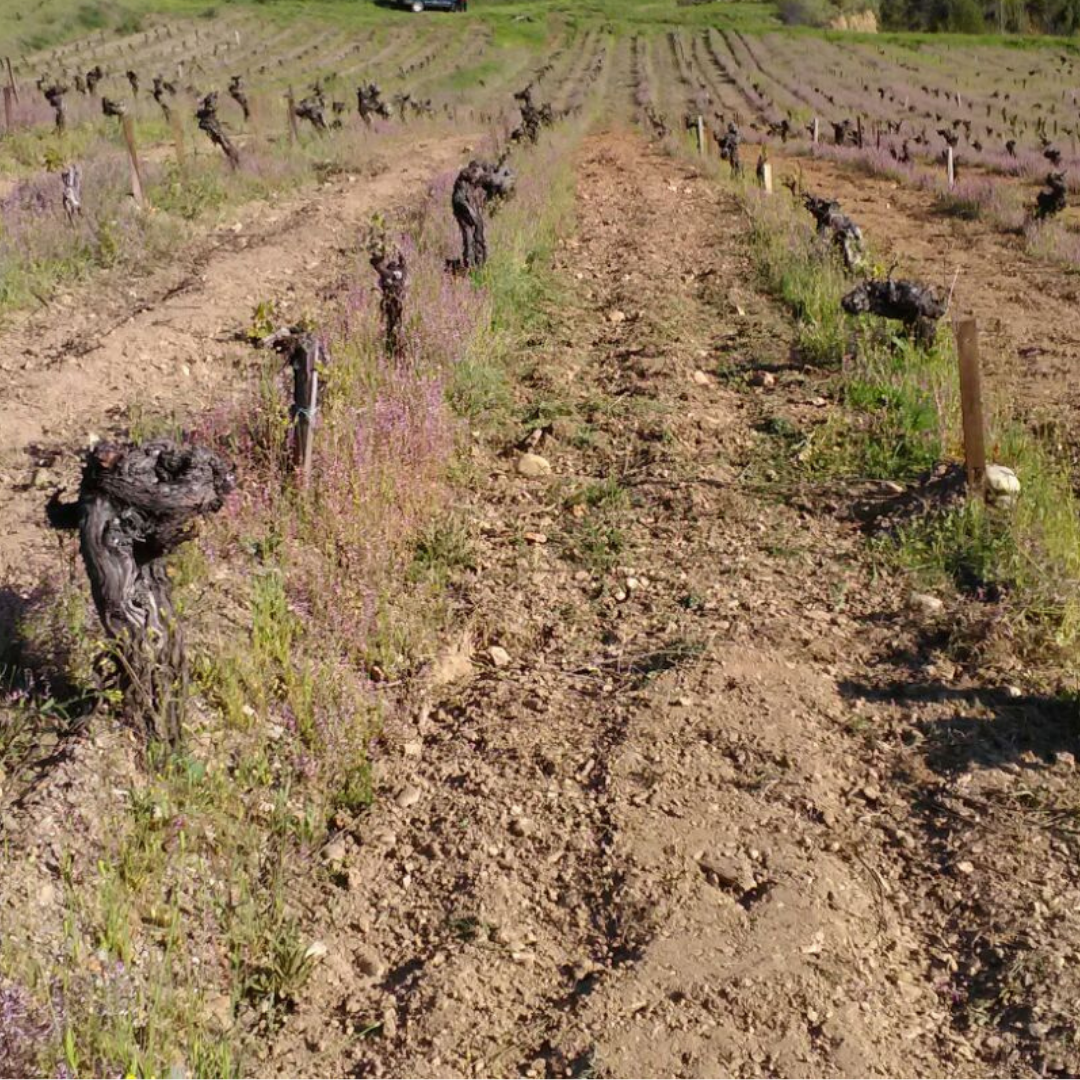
(491, 584)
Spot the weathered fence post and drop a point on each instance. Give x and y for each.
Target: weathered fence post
(950, 165)
(9, 119)
(128, 125)
(290, 105)
(177, 126)
(816, 132)
(766, 178)
(701, 135)
(12, 85)
(967, 348)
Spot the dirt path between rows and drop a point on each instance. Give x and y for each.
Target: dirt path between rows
(1028, 309)
(690, 821)
(165, 344)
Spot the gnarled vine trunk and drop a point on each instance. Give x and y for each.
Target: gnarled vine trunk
(393, 282)
(918, 307)
(136, 505)
(209, 123)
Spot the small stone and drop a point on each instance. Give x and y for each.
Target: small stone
(452, 665)
(763, 378)
(615, 316)
(390, 1026)
(499, 656)
(965, 867)
(1001, 480)
(219, 1010)
(1013, 692)
(701, 378)
(533, 466)
(926, 605)
(414, 748)
(409, 796)
(41, 479)
(335, 852)
(536, 538)
(891, 487)
(733, 875)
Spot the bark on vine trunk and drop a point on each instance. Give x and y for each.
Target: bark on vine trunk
(918, 307)
(393, 283)
(209, 123)
(136, 505)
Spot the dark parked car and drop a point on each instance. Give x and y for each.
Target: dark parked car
(435, 5)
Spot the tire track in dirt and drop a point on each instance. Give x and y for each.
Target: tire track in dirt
(649, 840)
(166, 344)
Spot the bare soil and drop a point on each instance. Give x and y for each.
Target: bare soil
(723, 808)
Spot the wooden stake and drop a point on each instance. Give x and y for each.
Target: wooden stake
(950, 165)
(967, 348)
(858, 131)
(305, 430)
(701, 135)
(128, 126)
(11, 80)
(290, 105)
(817, 131)
(766, 178)
(9, 119)
(177, 126)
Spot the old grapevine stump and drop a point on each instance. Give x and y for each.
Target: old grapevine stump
(305, 353)
(136, 505)
(393, 275)
(918, 307)
(209, 123)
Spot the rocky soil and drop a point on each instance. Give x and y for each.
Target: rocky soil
(695, 787)
(696, 792)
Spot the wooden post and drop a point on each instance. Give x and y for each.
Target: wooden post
(11, 80)
(9, 118)
(766, 178)
(128, 125)
(305, 426)
(177, 126)
(290, 105)
(967, 348)
(817, 130)
(950, 165)
(859, 131)
(701, 135)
